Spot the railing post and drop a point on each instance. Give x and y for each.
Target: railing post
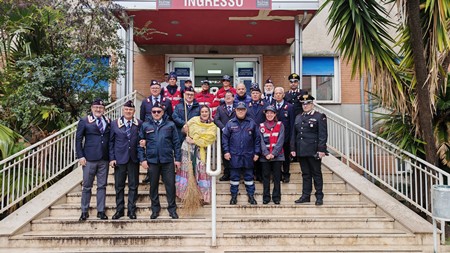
(347, 144)
(213, 175)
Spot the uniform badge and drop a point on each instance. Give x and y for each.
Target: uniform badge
(263, 130)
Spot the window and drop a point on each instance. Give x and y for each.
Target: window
(321, 78)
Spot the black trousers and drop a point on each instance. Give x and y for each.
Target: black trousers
(287, 161)
(311, 169)
(167, 171)
(271, 168)
(120, 175)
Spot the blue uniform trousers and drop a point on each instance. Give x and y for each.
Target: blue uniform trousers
(235, 176)
(90, 171)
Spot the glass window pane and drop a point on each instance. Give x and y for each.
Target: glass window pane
(307, 84)
(324, 88)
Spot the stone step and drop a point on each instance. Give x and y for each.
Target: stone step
(295, 185)
(229, 249)
(327, 175)
(196, 237)
(143, 197)
(143, 210)
(223, 223)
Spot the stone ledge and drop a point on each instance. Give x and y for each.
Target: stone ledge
(39, 204)
(402, 214)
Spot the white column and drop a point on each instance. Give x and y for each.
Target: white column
(129, 87)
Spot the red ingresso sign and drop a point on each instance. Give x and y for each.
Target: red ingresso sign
(214, 4)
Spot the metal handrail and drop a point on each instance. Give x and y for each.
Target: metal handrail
(27, 171)
(213, 172)
(401, 172)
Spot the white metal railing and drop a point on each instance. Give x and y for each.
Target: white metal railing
(213, 168)
(27, 171)
(409, 176)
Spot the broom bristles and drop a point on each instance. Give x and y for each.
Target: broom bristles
(193, 197)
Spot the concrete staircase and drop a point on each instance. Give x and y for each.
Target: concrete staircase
(347, 222)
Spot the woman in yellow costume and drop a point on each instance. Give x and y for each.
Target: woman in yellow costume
(201, 132)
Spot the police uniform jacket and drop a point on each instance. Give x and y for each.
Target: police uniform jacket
(179, 117)
(268, 99)
(162, 142)
(246, 99)
(293, 98)
(222, 116)
(310, 135)
(95, 146)
(241, 139)
(147, 105)
(256, 111)
(286, 115)
(121, 148)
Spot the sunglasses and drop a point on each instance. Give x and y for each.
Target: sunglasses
(306, 103)
(157, 112)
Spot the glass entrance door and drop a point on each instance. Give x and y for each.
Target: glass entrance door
(246, 71)
(184, 68)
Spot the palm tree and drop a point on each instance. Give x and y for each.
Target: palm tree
(361, 33)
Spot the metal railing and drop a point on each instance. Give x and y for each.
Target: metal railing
(213, 168)
(26, 172)
(408, 176)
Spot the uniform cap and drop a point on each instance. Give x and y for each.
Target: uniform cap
(226, 78)
(305, 99)
(98, 101)
(255, 87)
(270, 108)
(293, 77)
(241, 105)
(188, 81)
(154, 82)
(269, 81)
(190, 88)
(173, 75)
(129, 103)
(205, 82)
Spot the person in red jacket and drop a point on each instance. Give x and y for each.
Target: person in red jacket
(220, 95)
(172, 91)
(205, 97)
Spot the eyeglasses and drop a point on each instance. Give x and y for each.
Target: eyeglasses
(157, 112)
(189, 94)
(293, 81)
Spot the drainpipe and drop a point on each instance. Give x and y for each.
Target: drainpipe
(297, 48)
(129, 58)
(363, 119)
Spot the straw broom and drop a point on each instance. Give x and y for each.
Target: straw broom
(192, 200)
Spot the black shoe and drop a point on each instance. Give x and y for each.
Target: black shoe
(154, 215)
(102, 216)
(302, 199)
(265, 202)
(224, 178)
(118, 215)
(132, 215)
(252, 200)
(84, 216)
(233, 200)
(146, 179)
(286, 179)
(319, 202)
(174, 215)
(276, 202)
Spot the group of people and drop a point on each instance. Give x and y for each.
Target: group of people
(261, 133)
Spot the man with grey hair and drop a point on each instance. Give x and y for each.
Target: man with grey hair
(285, 114)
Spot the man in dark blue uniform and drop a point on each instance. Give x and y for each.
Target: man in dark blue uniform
(268, 92)
(162, 147)
(92, 139)
(292, 96)
(224, 113)
(285, 114)
(155, 98)
(123, 142)
(256, 112)
(187, 107)
(146, 108)
(241, 146)
(309, 145)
